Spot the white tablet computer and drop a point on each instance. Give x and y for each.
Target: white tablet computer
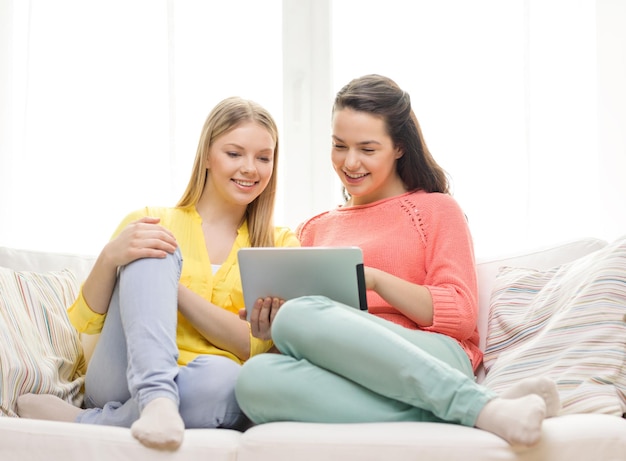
(290, 272)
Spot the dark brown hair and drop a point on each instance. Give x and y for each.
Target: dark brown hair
(382, 97)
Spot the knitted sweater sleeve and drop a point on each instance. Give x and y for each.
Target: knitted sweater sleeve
(450, 269)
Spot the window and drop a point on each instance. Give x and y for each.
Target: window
(522, 102)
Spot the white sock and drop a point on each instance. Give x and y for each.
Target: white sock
(46, 406)
(160, 425)
(543, 387)
(518, 420)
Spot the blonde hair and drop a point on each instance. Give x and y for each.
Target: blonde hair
(226, 116)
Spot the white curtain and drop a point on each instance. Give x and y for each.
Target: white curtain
(507, 95)
(521, 101)
(105, 103)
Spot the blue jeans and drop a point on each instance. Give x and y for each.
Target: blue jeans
(341, 365)
(135, 359)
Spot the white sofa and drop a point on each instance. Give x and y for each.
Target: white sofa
(584, 437)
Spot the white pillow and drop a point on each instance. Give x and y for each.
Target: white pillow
(567, 323)
(40, 351)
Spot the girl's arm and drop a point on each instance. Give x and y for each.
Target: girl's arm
(445, 300)
(414, 301)
(219, 326)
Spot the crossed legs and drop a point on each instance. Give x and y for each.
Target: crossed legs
(402, 375)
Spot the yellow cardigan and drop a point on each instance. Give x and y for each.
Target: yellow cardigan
(222, 288)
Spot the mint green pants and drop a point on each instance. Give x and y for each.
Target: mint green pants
(341, 365)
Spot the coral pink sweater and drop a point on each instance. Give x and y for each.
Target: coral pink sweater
(420, 237)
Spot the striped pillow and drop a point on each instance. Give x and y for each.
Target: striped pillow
(40, 351)
(568, 323)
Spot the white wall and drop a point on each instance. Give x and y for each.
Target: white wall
(611, 39)
(6, 105)
(523, 103)
(510, 96)
(563, 121)
(308, 184)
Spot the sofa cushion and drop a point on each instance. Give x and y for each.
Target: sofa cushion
(40, 351)
(568, 323)
(571, 437)
(44, 261)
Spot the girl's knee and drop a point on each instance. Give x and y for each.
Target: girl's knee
(252, 381)
(300, 321)
(296, 315)
(257, 385)
(171, 262)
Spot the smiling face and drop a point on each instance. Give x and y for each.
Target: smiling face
(364, 157)
(240, 164)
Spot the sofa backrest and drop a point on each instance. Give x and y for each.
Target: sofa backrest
(487, 268)
(41, 261)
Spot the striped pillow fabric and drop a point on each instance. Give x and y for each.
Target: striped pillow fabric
(40, 351)
(567, 323)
